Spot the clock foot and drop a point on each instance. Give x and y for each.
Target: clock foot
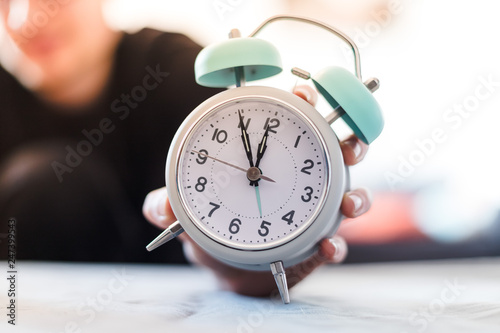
(279, 276)
(168, 234)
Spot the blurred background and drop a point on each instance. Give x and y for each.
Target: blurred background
(434, 170)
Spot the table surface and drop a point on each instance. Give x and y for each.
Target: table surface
(433, 296)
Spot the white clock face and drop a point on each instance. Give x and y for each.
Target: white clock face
(274, 201)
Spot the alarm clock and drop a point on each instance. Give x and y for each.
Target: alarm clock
(255, 175)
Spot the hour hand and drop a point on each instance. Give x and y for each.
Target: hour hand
(246, 140)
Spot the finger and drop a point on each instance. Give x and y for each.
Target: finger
(332, 250)
(306, 93)
(341, 249)
(356, 202)
(353, 150)
(157, 209)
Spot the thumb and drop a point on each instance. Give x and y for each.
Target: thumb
(157, 209)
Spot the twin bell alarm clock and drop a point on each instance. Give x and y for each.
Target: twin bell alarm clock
(255, 174)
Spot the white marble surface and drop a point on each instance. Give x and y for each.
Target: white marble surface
(437, 296)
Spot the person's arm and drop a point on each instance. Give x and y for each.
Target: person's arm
(158, 211)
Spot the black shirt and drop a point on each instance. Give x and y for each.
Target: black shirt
(150, 92)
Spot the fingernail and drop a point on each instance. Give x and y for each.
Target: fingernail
(162, 221)
(161, 204)
(304, 91)
(340, 249)
(358, 202)
(355, 146)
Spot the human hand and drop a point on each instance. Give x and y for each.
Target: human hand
(158, 211)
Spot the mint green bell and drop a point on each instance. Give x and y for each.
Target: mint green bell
(342, 89)
(215, 65)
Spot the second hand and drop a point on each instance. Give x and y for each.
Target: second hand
(257, 193)
(232, 165)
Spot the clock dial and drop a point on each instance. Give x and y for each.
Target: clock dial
(257, 186)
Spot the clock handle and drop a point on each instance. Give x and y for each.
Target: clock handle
(280, 277)
(173, 230)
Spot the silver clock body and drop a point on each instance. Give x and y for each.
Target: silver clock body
(291, 248)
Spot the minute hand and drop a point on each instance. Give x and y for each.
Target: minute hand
(262, 147)
(232, 165)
